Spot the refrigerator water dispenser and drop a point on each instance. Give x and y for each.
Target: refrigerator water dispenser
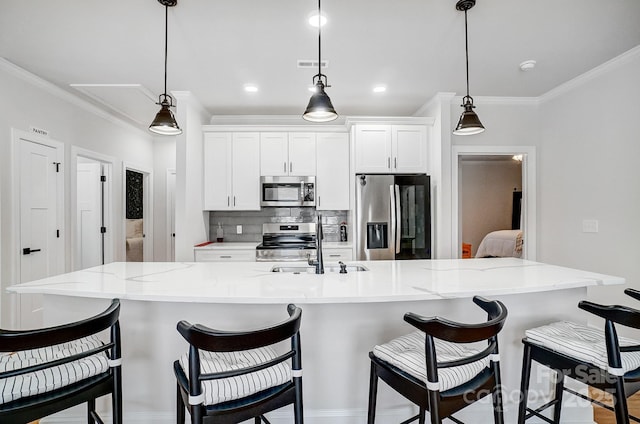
(377, 235)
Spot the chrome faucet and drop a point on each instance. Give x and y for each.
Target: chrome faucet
(318, 263)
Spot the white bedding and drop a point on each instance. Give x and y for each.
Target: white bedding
(501, 243)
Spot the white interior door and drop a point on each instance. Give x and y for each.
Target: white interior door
(42, 253)
(171, 213)
(89, 213)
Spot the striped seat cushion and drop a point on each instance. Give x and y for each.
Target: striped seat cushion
(49, 379)
(583, 343)
(226, 389)
(408, 354)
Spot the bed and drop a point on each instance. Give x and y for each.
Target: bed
(501, 243)
(134, 240)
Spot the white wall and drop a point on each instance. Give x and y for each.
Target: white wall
(192, 223)
(164, 157)
(31, 101)
(589, 157)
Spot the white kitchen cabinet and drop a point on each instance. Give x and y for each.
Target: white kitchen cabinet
(232, 171)
(225, 255)
(384, 149)
(332, 171)
(283, 154)
(337, 254)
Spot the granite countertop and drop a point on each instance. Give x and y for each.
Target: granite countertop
(254, 283)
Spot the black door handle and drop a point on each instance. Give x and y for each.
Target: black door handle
(28, 250)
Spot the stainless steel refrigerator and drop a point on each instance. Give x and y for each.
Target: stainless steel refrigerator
(393, 217)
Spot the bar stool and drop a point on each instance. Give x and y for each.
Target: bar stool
(597, 358)
(436, 370)
(230, 377)
(48, 370)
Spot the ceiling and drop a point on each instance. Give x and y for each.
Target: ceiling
(112, 52)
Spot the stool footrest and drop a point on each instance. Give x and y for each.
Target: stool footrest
(538, 410)
(410, 419)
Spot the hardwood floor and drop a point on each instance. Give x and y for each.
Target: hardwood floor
(602, 416)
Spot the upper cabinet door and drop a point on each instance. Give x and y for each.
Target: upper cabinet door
(332, 180)
(217, 157)
(409, 147)
(274, 156)
(246, 171)
(302, 154)
(373, 149)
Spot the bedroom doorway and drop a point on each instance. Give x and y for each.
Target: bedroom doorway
(490, 187)
(494, 200)
(137, 214)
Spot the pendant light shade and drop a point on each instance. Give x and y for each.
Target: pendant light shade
(469, 123)
(164, 122)
(320, 108)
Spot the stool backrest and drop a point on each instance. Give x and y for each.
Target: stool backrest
(456, 332)
(614, 314)
(213, 340)
(17, 340)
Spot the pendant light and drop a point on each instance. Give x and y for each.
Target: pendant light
(164, 122)
(320, 108)
(469, 122)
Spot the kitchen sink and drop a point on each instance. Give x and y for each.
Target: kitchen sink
(312, 270)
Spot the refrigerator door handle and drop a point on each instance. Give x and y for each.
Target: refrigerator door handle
(397, 214)
(394, 218)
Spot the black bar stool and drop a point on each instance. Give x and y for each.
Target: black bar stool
(48, 370)
(230, 377)
(597, 358)
(436, 370)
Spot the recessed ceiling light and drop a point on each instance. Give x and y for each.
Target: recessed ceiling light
(527, 65)
(314, 18)
(379, 88)
(250, 88)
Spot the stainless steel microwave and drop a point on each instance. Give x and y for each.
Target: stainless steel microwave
(287, 191)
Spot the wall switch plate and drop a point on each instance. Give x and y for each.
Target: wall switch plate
(238, 229)
(589, 225)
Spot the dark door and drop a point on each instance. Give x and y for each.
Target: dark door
(413, 238)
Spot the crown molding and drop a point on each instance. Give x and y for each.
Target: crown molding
(440, 97)
(500, 100)
(192, 100)
(608, 66)
(389, 120)
(284, 120)
(26, 76)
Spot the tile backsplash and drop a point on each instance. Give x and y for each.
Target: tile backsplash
(252, 221)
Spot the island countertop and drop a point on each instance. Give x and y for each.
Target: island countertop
(253, 282)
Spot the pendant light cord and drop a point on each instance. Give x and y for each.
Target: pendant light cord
(166, 42)
(466, 48)
(319, 41)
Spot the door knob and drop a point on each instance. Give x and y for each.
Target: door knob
(28, 250)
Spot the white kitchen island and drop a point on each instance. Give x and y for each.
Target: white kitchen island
(344, 316)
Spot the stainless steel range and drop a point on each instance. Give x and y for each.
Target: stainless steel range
(287, 242)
